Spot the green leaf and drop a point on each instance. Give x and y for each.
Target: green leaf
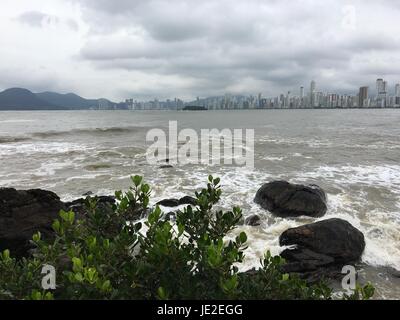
(162, 295)
(77, 264)
(56, 226)
(6, 255)
(37, 236)
(145, 188)
(137, 180)
(243, 237)
(78, 277)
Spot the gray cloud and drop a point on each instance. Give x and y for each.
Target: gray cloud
(188, 48)
(36, 18)
(40, 19)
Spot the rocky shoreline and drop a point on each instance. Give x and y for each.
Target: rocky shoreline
(315, 250)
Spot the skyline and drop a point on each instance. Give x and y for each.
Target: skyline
(383, 95)
(187, 48)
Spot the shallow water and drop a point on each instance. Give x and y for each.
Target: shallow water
(352, 154)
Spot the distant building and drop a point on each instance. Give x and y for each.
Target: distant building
(397, 90)
(313, 87)
(363, 97)
(382, 89)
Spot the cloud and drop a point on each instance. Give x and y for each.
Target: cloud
(39, 19)
(36, 18)
(186, 48)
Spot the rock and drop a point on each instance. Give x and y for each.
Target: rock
(292, 200)
(188, 200)
(178, 202)
(79, 205)
(323, 244)
(167, 166)
(169, 203)
(23, 213)
(170, 216)
(253, 220)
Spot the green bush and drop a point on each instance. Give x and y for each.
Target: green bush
(104, 255)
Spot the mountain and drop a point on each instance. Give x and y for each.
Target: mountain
(23, 99)
(69, 100)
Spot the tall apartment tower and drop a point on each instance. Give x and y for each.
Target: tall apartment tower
(313, 88)
(397, 90)
(397, 94)
(381, 89)
(302, 92)
(363, 97)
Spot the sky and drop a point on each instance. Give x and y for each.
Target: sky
(146, 49)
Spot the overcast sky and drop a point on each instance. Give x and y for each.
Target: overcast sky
(186, 48)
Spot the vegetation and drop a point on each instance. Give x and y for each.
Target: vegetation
(104, 256)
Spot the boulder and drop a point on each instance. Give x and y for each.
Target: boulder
(188, 200)
(253, 220)
(292, 200)
(79, 205)
(177, 202)
(23, 213)
(169, 203)
(324, 244)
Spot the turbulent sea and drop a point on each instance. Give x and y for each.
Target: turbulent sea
(354, 155)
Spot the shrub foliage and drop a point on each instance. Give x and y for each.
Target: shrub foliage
(108, 254)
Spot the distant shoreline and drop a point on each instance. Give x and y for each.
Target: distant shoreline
(197, 110)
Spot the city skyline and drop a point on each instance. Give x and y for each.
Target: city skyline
(382, 96)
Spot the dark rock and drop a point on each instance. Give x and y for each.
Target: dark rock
(292, 200)
(170, 216)
(166, 165)
(253, 220)
(188, 200)
(79, 205)
(177, 202)
(320, 245)
(169, 203)
(23, 213)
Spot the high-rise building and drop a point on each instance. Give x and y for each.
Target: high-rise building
(382, 89)
(397, 90)
(302, 92)
(397, 95)
(313, 88)
(363, 97)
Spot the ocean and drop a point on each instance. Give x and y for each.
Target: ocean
(352, 154)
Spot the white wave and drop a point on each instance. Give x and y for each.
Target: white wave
(28, 149)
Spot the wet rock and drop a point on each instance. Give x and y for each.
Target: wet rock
(170, 203)
(292, 200)
(188, 200)
(79, 205)
(322, 246)
(166, 166)
(253, 220)
(23, 213)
